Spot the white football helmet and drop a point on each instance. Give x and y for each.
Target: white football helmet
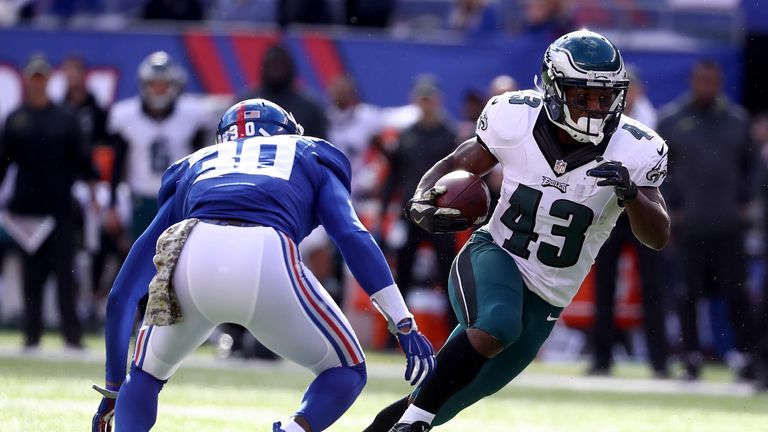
(584, 59)
(159, 67)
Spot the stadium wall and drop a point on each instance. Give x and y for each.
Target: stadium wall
(226, 62)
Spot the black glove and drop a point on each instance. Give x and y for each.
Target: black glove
(615, 174)
(435, 220)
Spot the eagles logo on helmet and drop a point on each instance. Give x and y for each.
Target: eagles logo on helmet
(584, 59)
(256, 117)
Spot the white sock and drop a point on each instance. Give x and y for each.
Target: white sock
(292, 426)
(414, 414)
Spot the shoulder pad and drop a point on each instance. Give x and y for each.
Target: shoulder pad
(644, 151)
(333, 159)
(508, 117)
(171, 177)
(638, 136)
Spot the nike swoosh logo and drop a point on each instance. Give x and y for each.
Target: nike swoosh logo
(551, 318)
(660, 151)
(418, 221)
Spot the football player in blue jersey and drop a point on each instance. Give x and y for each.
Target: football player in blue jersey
(225, 251)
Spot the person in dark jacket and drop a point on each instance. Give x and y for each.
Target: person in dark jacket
(420, 146)
(710, 156)
(98, 242)
(278, 84)
(92, 117)
(45, 141)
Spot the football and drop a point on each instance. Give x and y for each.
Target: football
(467, 193)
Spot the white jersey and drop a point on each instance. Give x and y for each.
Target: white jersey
(153, 145)
(551, 217)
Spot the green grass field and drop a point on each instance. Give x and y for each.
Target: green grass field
(43, 393)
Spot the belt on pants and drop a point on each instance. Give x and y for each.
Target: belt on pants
(231, 222)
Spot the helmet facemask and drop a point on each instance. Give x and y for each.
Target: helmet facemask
(577, 113)
(159, 100)
(158, 71)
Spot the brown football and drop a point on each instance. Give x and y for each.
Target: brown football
(466, 192)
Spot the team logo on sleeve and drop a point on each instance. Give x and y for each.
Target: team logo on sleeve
(658, 172)
(548, 182)
(482, 122)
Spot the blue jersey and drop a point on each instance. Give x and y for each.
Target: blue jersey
(288, 182)
(272, 181)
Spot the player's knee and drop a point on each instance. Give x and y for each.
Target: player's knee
(506, 324)
(483, 342)
(137, 373)
(362, 373)
(353, 377)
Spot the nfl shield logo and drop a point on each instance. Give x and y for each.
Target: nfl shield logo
(560, 166)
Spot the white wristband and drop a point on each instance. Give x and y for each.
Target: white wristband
(390, 303)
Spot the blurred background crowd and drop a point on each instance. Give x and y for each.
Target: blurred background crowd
(98, 97)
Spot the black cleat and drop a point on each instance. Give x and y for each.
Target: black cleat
(418, 426)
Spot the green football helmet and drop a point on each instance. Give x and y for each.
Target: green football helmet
(584, 59)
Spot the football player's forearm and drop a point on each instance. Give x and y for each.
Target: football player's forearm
(650, 221)
(441, 168)
(360, 252)
(117, 336)
(131, 284)
(469, 156)
(365, 261)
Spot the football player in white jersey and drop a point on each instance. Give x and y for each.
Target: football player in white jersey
(572, 163)
(151, 130)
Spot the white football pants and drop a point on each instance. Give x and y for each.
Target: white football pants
(252, 276)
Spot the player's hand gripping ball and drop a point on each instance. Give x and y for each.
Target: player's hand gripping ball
(467, 193)
(458, 201)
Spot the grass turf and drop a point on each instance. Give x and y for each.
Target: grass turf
(39, 394)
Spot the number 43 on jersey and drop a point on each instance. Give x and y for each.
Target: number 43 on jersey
(520, 218)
